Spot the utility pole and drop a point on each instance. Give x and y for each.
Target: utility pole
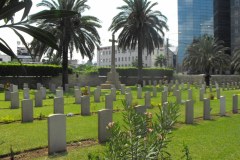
(167, 51)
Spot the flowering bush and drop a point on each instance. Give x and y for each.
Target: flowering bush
(142, 137)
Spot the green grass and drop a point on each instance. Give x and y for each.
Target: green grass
(216, 140)
(26, 136)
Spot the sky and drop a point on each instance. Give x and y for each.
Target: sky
(105, 10)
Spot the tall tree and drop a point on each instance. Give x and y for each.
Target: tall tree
(205, 54)
(78, 32)
(8, 8)
(141, 26)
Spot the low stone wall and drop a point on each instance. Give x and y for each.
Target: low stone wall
(94, 80)
(73, 79)
(200, 78)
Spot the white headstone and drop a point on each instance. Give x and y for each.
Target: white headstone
(154, 91)
(235, 103)
(109, 101)
(53, 88)
(206, 109)
(77, 95)
(178, 97)
(140, 109)
(25, 85)
(66, 87)
(222, 106)
(58, 105)
(14, 100)
(218, 93)
(56, 133)
(128, 98)
(59, 93)
(164, 97)
(201, 94)
(85, 105)
(104, 118)
(144, 83)
(27, 110)
(38, 98)
(147, 99)
(26, 93)
(189, 114)
(139, 92)
(43, 90)
(122, 88)
(97, 94)
(7, 95)
(39, 85)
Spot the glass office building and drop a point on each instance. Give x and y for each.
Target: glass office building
(195, 18)
(235, 24)
(222, 22)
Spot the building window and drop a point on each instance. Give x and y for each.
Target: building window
(125, 58)
(119, 59)
(115, 59)
(122, 59)
(129, 58)
(145, 57)
(132, 58)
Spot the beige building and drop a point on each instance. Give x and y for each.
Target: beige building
(126, 58)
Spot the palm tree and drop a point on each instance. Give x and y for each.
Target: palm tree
(78, 32)
(236, 59)
(8, 8)
(205, 54)
(141, 27)
(160, 60)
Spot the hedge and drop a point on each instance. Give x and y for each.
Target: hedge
(131, 71)
(30, 70)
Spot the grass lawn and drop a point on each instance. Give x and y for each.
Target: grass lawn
(203, 138)
(217, 139)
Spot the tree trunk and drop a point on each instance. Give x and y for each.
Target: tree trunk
(140, 64)
(66, 40)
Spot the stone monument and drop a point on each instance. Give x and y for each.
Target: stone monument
(112, 76)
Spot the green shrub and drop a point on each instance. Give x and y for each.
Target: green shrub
(16, 69)
(86, 69)
(142, 137)
(131, 71)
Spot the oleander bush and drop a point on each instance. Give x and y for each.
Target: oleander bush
(142, 136)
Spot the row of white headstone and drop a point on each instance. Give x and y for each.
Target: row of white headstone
(57, 129)
(57, 122)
